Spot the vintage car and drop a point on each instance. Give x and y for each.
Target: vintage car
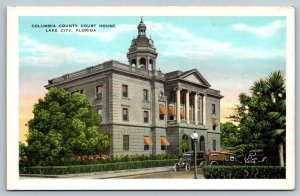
(220, 158)
(256, 156)
(187, 160)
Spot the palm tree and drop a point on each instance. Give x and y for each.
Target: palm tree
(277, 110)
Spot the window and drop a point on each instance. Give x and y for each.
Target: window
(143, 63)
(162, 112)
(146, 116)
(161, 117)
(164, 143)
(214, 145)
(125, 142)
(125, 90)
(81, 91)
(146, 147)
(125, 114)
(214, 123)
(202, 143)
(147, 142)
(171, 112)
(99, 92)
(145, 95)
(213, 108)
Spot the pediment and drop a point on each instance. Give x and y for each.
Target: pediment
(192, 78)
(195, 77)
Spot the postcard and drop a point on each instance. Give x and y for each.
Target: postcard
(150, 98)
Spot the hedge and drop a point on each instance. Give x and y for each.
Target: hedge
(243, 172)
(73, 160)
(73, 169)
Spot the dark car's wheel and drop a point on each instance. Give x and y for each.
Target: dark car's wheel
(214, 163)
(202, 164)
(187, 167)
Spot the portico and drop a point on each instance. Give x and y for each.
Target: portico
(188, 105)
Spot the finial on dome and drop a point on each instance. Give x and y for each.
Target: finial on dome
(141, 19)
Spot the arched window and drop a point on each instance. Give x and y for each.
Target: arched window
(142, 63)
(202, 143)
(133, 62)
(151, 62)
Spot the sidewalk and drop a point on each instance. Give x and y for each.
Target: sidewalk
(103, 175)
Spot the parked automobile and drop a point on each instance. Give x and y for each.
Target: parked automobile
(256, 156)
(187, 159)
(220, 158)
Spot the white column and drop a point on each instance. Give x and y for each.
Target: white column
(204, 110)
(187, 107)
(178, 105)
(196, 108)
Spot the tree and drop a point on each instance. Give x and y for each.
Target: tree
(184, 145)
(261, 116)
(229, 134)
(22, 150)
(63, 126)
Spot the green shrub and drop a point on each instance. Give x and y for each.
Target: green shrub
(243, 172)
(112, 159)
(73, 169)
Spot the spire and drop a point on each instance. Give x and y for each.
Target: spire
(141, 19)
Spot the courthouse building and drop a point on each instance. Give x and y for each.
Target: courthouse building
(144, 110)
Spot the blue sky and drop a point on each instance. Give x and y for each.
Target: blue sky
(230, 52)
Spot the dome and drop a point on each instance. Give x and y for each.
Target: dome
(142, 42)
(141, 25)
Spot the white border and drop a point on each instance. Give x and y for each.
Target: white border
(13, 181)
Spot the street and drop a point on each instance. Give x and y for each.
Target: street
(145, 173)
(166, 175)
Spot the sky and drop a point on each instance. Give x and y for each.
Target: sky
(230, 52)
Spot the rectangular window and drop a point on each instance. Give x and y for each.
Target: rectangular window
(125, 142)
(146, 147)
(125, 114)
(147, 142)
(161, 117)
(214, 145)
(146, 117)
(124, 90)
(81, 91)
(164, 143)
(145, 95)
(213, 108)
(99, 92)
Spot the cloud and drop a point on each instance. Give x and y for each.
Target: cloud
(179, 42)
(262, 31)
(35, 53)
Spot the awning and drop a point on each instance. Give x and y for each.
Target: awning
(147, 141)
(171, 111)
(181, 113)
(162, 110)
(164, 141)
